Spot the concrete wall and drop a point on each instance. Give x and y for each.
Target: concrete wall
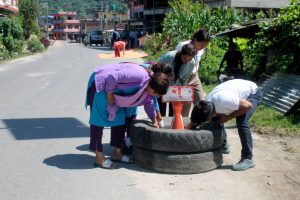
(248, 3)
(259, 4)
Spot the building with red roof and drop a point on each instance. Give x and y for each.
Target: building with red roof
(9, 7)
(65, 25)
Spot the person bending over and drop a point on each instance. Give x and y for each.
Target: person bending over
(232, 99)
(112, 90)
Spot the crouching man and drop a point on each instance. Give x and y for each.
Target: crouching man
(232, 99)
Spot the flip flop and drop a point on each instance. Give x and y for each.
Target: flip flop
(124, 159)
(107, 164)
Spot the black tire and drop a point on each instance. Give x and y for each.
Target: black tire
(175, 163)
(208, 137)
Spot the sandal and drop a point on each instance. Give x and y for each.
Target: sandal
(107, 164)
(124, 159)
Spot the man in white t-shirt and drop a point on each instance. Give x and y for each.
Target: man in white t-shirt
(200, 40)
(232, 99)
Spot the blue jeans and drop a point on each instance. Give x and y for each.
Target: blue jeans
(243, 126)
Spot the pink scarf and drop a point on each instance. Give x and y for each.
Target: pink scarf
(136, 99)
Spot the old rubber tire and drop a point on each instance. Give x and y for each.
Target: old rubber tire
(208, 137)
(176, 163)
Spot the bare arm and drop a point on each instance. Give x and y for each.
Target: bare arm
(243, 108)
(110, 98)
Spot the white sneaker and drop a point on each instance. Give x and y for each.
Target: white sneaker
(161, 124)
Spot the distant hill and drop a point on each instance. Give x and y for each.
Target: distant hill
(83, 7)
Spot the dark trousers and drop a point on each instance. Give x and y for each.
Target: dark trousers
(129, 120)
(117, 133)
(132, 43)
(243, 126)
(116, 137)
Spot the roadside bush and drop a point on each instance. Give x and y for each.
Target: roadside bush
(11, 34)
(277, 45)
(34, 44)
(210, 63)
(4, 54)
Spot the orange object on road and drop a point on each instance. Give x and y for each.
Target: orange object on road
(178, 95)
(177, 122)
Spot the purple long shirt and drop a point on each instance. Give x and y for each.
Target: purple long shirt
(124, 76)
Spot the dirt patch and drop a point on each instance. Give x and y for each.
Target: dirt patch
(276, 175)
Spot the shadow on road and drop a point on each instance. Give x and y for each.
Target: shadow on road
(84, 147)
(107, 151)
(225, 167)
(103, 48)
(46, 128)
(71, 161)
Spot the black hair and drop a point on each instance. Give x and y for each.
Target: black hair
(187, 49)
(201, 35)
(161, 67)
(201, 111)
(159, 82)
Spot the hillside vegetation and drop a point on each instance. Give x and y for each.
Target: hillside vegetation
(83, 7)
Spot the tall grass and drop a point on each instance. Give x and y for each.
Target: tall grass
(268, 121)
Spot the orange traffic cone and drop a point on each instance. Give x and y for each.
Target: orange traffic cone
(177, 122)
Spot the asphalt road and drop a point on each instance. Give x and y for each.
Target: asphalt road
(44, 129)
(44, 140)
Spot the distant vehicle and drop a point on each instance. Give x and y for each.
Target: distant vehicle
(94, 37)
(108, 34)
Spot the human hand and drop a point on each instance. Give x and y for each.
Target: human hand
(110, 98)
(189, 126)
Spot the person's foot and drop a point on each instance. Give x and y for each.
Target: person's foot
(124, 159)
(225, 148)
(107, 164)
(244, 164)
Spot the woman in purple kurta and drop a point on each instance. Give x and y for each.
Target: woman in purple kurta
(113, 89)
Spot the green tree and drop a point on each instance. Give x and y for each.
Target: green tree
(277, 46)
(28, 10)
(84, 7)
(11, 35)
(187, 17)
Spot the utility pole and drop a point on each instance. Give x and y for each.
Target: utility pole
(45, 6)
(47, 25)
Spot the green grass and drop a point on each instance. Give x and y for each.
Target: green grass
(267, 121)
